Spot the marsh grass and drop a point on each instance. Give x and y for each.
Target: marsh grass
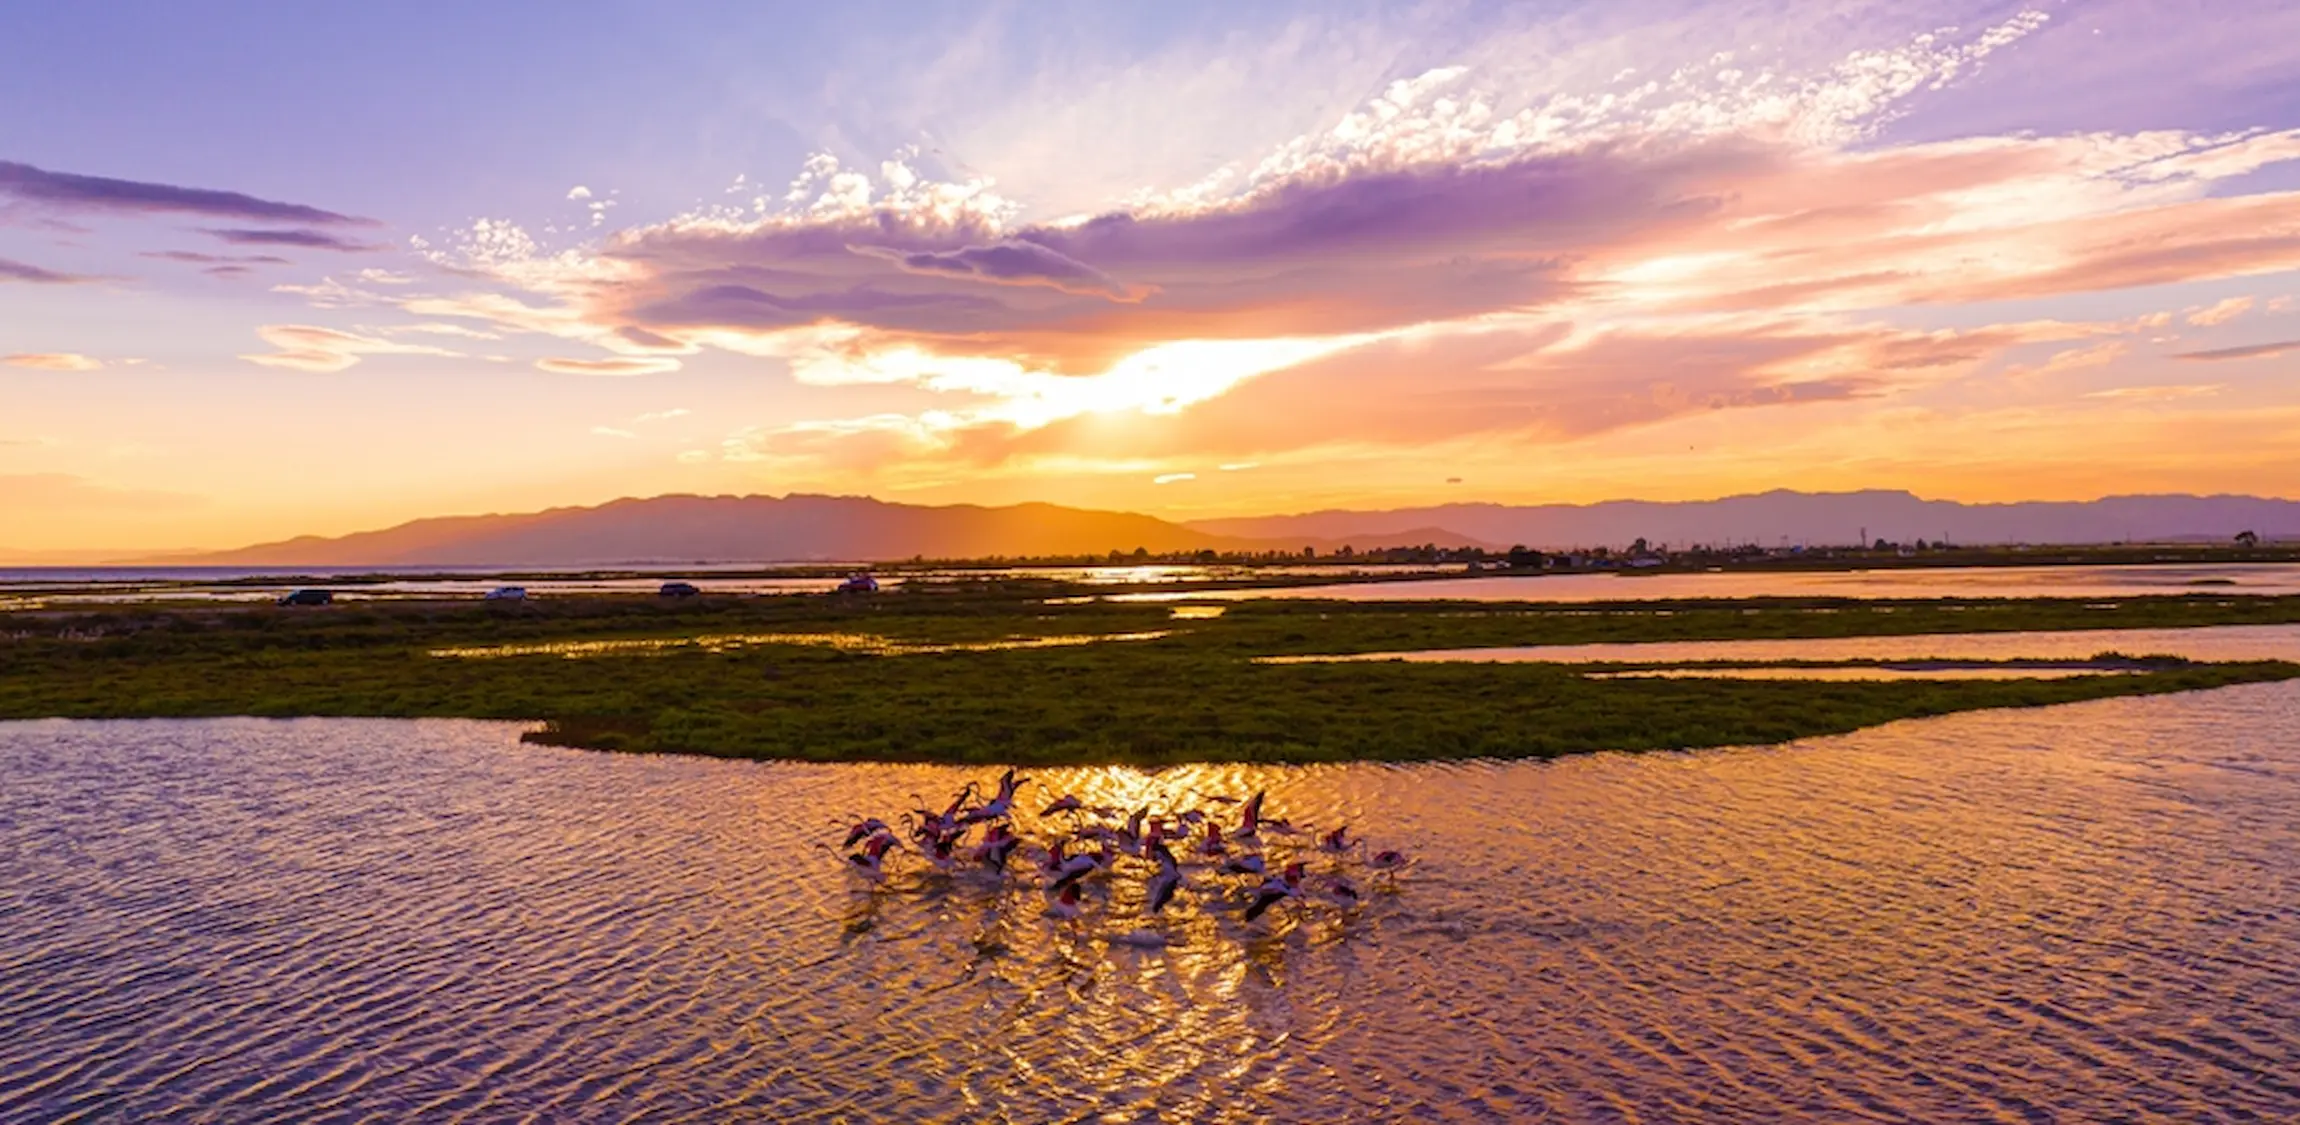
(1192, 695)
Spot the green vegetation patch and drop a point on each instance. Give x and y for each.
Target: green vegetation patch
(932, 678)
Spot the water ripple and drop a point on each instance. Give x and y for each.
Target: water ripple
(2080, 913)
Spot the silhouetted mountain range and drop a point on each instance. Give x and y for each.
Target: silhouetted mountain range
(1772, 518)
(695, 529)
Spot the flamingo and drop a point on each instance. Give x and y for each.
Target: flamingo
(1067, 803)
(1336, 840)
(1000, 806)
(956, 803)
(1071, 870)
(1387, 860)
(1166, 881)
(1285, 885)
(1065, 905)
(997, 845)
(1212, 845)
(863, 829)
(932, 826)
(1244, 865)
(870, 862)
(1130, 837)
(1052, 861)
(1250, 821)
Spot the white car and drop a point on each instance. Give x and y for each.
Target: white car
(506, 594)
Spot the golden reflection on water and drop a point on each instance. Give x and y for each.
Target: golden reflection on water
(1193, 998)
(728, 642)
(2077, 913)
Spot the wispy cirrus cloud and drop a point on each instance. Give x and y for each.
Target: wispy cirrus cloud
(190, 257)
(2218, 313)
(52, 361)
(11, 270)
(2248, 351)
(305, 347)
(2169, 392)
(651, 365)
(65, 191)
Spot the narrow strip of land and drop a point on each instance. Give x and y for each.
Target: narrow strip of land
(1021, 672)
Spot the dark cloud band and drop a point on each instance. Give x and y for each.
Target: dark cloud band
(22, 271)
(66, 191)
(304, 239)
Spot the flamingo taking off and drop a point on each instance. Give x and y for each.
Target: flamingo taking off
(1286, 884)
(1166, 881)
(864, 829)
(1000, 806)
(1212, 845)
(1250, 821)
(870, 862)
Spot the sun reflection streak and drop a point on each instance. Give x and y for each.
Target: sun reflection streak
(727, 642)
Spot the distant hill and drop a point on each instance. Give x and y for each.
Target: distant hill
(701, 529)
(799, 528)
(1770, 518)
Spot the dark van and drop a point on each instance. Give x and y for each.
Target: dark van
(678, 590)
(307, 597)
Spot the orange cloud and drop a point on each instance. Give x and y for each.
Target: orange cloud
(52, 361)
(621, 366)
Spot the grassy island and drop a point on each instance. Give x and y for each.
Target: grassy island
(1043, 673)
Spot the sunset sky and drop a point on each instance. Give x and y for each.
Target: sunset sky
(272, 269)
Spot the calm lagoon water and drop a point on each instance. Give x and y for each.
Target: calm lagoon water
(64, 587)
(35, 587)
(1912, 582)
(2083, 913)
(2217, 642)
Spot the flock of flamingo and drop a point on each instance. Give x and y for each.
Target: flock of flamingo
(1258, 856)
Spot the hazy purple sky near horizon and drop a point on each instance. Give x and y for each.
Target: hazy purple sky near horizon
(270, 268)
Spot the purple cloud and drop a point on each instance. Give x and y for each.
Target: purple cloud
(1325, 255)
(1014, 262)
(646, 339)
(748, 307)
(66, 191)
(2249, 351)
(189, 257)
(21, 271)
(307, 239)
